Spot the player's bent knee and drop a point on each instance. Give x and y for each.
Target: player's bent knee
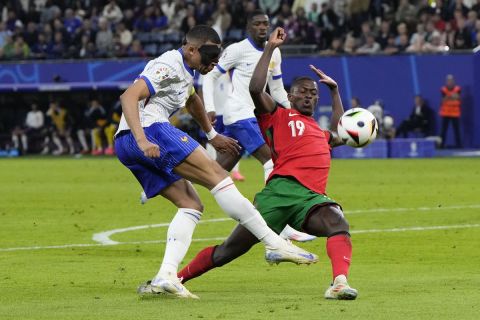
(189, 203)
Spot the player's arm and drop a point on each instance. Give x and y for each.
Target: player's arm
(262, 100)
(337, 105)
(129, 99)
(275, 82)
(208, 89)
(227, 61)
(221, 143)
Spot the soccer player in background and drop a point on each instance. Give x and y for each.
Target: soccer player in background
(296, 189)
(240, 60)
(163, 158)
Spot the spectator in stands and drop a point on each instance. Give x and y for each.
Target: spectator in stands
(336, 47)
(190, 20)
(421, 120)
(124, 34)
(21, 49)
(71, 23)
(391, 48)
(435, 44)
(313, 13)
(406, 12)
(104, 39)
(30, 35)
(41, 48)
(4, 33)
(33, 126)
(87, 49)
(222, 19)
(136, 50)
(350, 46)
(112, 12)
(8, 50)
(328, 23)
(49, 12)
(384, 33)
(160, 19)
(370, 47)
(450, 110)
(87, 30)
(270, 7)
(57, 49)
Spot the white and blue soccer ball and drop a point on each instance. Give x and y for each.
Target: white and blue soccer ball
(357, 127)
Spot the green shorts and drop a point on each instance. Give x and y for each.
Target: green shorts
(285, 201)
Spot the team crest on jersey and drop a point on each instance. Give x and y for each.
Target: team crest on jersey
(184, 139)
(271, 65)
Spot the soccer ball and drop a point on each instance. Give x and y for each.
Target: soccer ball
(357, 127)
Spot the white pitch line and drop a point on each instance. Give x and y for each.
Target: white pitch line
(457, 226)
(104, 236)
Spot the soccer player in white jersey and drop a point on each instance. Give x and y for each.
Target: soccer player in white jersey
(163, 158)
(223, 87)
(240, 60)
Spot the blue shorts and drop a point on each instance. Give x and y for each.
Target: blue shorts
(247, 133)
(155, 174)
(219, 127)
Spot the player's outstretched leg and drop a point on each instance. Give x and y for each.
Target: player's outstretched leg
(329, 221)
(199, 168)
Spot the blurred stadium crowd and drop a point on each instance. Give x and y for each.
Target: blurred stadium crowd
(82, 29)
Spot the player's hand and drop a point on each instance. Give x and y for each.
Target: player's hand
(149, 149)
(224, 144)
(332, 84)
(277, 37)
(212, 116)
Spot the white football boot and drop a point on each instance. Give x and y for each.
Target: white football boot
(289, 253)
(295, 235)
(169, 285)
(340, 290)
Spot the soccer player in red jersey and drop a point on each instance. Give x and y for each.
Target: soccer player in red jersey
(295, 191)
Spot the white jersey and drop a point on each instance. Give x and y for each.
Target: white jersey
(223, 87)
(170, 82)
(240, 59)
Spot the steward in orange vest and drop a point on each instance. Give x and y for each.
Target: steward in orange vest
(450, 106)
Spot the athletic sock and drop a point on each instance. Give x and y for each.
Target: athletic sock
(202, 263)
(339, 250)
(179, 237)
(239, 208)
(267, 168)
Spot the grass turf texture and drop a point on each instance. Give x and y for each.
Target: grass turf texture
(400, 275)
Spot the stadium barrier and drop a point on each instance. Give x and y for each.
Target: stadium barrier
(394, 80)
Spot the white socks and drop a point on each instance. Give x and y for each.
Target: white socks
(179, 237)
(268, 168)
(239, 208)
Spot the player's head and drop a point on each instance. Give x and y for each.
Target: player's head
(202, 48)
(257, 26)
(303, 95)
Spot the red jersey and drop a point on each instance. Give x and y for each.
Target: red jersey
(299, 147)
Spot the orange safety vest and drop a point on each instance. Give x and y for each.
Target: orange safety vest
(450, 107)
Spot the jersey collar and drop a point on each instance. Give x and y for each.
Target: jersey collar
(185, 64)
(254, 44)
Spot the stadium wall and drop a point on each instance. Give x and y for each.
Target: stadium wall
(393, 79)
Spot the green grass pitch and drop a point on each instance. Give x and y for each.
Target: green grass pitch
(416, 238)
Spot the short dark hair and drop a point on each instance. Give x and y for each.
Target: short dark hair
(297, 81)
(254, 13)
(201, 34)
